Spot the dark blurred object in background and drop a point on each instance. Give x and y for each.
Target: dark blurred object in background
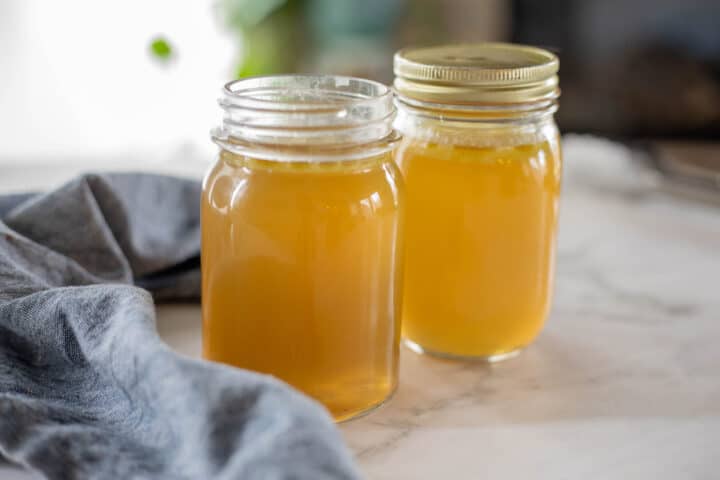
(640, 68)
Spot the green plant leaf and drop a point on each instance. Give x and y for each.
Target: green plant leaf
(161, 48)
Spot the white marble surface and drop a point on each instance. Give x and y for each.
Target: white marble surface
(624, 382)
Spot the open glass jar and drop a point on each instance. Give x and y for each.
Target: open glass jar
(481, 160)
(301, 237)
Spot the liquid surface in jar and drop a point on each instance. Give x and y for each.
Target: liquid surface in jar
(480, 243)
(299, 266)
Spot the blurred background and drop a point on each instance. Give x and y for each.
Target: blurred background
(105, 82)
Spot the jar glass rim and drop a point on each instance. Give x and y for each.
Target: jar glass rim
(303, 93)
(289, 115)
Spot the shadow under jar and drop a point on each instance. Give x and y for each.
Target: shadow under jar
(481, 159)
(301, 238)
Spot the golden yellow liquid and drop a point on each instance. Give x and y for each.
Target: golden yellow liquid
(301, 275)
(480, 228)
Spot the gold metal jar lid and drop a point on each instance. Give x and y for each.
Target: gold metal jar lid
(481, 73)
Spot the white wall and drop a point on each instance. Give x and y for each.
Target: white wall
(77, 82)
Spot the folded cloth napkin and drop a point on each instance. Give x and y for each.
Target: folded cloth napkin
(89, 391)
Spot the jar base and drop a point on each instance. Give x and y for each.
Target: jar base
(494, 358)
(365, 411)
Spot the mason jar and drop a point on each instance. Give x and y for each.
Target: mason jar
(302, 237)
(481, 159)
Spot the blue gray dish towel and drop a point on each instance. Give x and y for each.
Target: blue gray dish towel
(89, 391)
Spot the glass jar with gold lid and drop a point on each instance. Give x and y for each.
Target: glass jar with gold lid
(481, 161)
(301, 237)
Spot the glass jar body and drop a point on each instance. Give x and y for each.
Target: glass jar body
(301, 274)
(482, 205)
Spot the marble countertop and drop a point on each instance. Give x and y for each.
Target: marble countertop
(624, 382)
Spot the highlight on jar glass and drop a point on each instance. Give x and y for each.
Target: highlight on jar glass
(481, 161)
(302, 238)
